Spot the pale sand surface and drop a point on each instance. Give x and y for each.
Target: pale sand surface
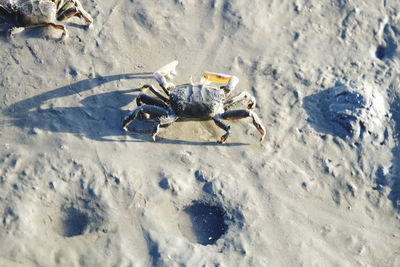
(76, 190)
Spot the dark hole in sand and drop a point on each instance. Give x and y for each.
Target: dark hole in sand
(75, 222)
(380, 52)
(207, 221)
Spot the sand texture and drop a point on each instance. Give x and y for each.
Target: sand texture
(322, 189)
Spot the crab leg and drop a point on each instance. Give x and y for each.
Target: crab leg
(80, 11)
(236, 115)
(57, 3)
(75, 11)
(5, 10)
(224, 127)
(59, 27)
(85, 15)
(154, 91)
(230, 80)
(148, 100)
(241, 101)
(160, 115)
(154, 111)
(16, 30)
(164, 74)
(155, 131)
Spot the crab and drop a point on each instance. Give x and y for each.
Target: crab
(201, 101)
(42, 13)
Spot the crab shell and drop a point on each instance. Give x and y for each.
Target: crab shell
(36, 12)
(196, 101)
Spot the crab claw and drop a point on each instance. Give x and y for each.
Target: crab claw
(229, 81)
(168, 70)
(164, 76)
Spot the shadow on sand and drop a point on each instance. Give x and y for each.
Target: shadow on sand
(316, 107)
(97, 117)
(393, 178)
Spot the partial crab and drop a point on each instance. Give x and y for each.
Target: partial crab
(42, 13)
(201, 101)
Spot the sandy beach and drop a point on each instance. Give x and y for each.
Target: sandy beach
(322, 189)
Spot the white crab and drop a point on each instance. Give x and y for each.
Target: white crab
(200, 101)
(42, 13)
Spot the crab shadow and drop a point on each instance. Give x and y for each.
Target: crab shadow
(8, 22)
(165, 141)
(97, 117)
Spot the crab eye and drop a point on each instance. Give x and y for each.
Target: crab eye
(250, 105)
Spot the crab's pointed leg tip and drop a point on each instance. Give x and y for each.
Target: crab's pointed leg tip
(154, 137)
(125, 128)
(64, 35)
(16, 30)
